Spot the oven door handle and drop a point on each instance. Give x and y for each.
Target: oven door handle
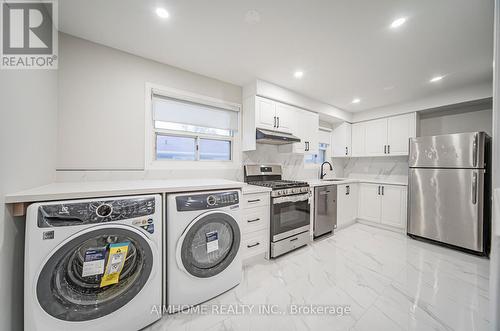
(291, 198)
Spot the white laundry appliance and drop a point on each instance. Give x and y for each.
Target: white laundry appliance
(93, 264)
(203, 246)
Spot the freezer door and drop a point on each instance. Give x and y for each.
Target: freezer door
(460, 150)
(447, 205)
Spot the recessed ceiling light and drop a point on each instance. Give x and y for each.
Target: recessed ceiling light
(398, 22)
(298, 74)
(356, 100)
(436, 79)
(162, 12)
(252, 17)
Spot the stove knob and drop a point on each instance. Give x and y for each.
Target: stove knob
(296, 190)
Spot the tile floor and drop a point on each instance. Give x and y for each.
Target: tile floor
(389, 281)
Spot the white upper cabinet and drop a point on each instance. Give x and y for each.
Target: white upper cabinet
(265, 113)
(358, 139)
(273, 115)
(399, 130)
(259, 112)
(285, 118)
(341, 140)
(381, 137)
(376, 137)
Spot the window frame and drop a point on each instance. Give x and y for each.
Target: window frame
(151, 132)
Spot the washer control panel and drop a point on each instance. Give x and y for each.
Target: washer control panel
(98, 211)
(207, 200)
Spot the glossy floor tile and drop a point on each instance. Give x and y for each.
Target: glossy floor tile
(368, 278)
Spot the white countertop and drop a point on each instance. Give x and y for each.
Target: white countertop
(91, 189)
(319, 182)
(249, 189)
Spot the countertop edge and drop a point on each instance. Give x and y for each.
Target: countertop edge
(28, 197)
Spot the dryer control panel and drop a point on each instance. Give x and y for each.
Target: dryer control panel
(207, 201)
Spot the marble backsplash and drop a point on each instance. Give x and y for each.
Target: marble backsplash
(293, 168)
(385, 168)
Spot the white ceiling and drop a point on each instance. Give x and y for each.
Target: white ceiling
(345, 47)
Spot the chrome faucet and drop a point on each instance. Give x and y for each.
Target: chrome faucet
(323, 174)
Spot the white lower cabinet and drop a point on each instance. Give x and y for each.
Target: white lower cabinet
(347, 204)
(382, 204)
(254, 225)
(393, 206)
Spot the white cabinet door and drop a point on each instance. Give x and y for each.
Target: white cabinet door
(358, 139)
(369, 202)
(341, 140)
(343, 206)
(399, 130)
(376, 137)
(353, 201)
(393, 206)
(285, 118)
(265, 113)
(311, 136)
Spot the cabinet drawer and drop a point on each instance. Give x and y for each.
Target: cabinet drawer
(255, 200)
(254, 244)
(254, 219)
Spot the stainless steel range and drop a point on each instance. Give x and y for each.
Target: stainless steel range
(290, 207)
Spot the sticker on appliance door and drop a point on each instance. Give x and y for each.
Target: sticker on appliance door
(116, 260)
(93, 263)
(212, 241)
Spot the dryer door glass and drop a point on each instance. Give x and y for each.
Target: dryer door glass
(67, 292)
(210, 245)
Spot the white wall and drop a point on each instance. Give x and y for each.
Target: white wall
(101, 103)
(469, 93)
(28, 129)
(495, 252)
(456, 123)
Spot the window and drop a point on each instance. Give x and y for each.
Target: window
(317, 158)
(187, 130)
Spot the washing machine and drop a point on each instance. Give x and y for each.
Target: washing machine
(203, 247)
(93, 264)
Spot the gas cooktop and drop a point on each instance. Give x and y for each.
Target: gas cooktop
(279, 184)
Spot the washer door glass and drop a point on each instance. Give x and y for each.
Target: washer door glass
(63, 291)
(210, 245)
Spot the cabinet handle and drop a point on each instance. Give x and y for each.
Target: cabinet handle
(382, 190)
(388, 149)
(278, 125)
(346, 151)
(254, 220)
(253, 201)
(385, 149)
(347, 190)
(274, 125)
(378, 191)
(253, 245)
(294, 239)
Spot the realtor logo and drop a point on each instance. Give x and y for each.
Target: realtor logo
(29, 35)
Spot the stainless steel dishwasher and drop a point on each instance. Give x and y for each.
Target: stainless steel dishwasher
(325, 210)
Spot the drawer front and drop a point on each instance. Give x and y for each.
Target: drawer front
(255, 219)
(256, 200)
(254, 244)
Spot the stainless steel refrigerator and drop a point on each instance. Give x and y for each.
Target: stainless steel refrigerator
(449, 198)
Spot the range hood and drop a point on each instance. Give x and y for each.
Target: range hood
(264, 136)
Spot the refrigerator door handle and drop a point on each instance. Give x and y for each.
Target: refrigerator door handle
(474, 150)
(474, 188)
